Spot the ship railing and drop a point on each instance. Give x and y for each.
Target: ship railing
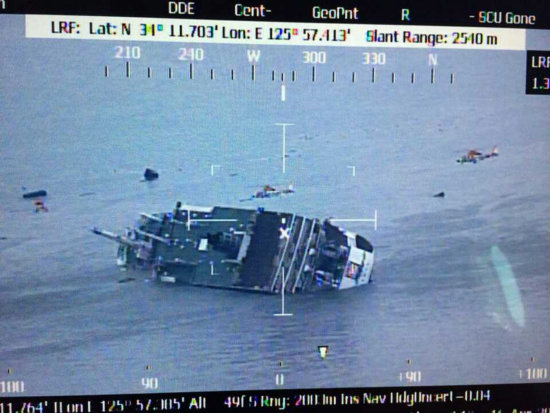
(150, 217)
(306, 254)
(195, 208)
(166, 241)
(283, 255)
(312, 258)
(179, 261)
(291, 277)
(114, 237)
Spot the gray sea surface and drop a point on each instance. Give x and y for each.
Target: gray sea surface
(440, 303)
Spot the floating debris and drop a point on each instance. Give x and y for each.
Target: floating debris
(35, 194)
(323, 351)
(150, 174)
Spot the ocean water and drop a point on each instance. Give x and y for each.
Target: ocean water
(460, 289)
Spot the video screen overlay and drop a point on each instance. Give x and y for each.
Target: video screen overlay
(239, 207)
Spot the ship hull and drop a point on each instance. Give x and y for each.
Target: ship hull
(252, 250)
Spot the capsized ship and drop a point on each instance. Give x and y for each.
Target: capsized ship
(244, 249)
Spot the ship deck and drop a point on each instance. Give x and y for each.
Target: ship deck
(275, 250)
(183, 256)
